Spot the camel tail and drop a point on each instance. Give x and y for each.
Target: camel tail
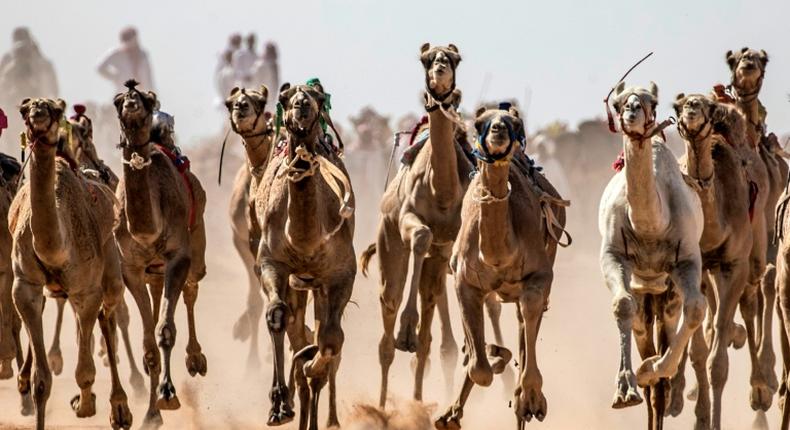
(364, 259)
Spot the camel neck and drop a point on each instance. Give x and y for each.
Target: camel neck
(142, 215)
(258, 149)
(699, 159)
(496, 239)
(45, 224)
(303, 228)
(443, 172)
(645, 209)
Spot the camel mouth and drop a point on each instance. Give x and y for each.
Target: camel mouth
(39, 120)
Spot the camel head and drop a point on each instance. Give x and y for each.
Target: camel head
(500, 133)
(697, 115)
(372, 128)
(302, 107)
(42, 118)
(135, 108)
(246, 109)
(440, 63)
(748, 68)
(636, 107)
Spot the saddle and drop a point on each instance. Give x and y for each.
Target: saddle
(181, 163)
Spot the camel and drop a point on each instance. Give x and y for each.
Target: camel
(248, 119)
(420, 217)
(62, 226)
(715, 167)
(10, 323)
(162, 239)
(748, 70)
(307, 226)
(85, 155)
(506, 247)
(651, 223)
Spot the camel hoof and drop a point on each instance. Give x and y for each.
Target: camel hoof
(121, 417)
(499, 356)
(241, 328)
(152, 420)
(6, 369)
(84, 407)
(530, 403)
(451, 420)
(407, 336)
(627, 394)
(674, 392)
(646, 375)
(27, 409)
(738, 339)
(761, 397)
(481, 373)
(278, 418)
(168, 400)
(138, 385)
(197, 364)
(55, 360)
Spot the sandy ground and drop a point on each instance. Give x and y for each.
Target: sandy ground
(578, 354)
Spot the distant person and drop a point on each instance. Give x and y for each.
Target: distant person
(127, 61)
(224, 77)
(267, 71)
(24, 72)
(552, 168)
(243, 61)
(234, 43)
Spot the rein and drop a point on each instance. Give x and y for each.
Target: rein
(609, 116)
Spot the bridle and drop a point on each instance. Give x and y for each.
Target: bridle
(651, 128)
(517, 138)
(433, 100)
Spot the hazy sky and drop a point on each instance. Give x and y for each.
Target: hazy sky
(566, 54)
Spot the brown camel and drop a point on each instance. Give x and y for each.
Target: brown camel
(651, 222)
(249, 121)
(769, 172)
(506, 248)
(84, 154)
(307, 227)
(162, 239)
(420, 217)
(715, 168)
(62, 227)
(10, 324)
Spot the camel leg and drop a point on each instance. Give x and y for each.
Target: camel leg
(176, 272)
(624, 305)
(120, 415)
(332, 421)
(494, 309)
(686, 276)
(643, 329)
(275, 282)
(248, 322)
(783, 294)
(86, 309)
(393, 263)
(414, 232)
(23, 381)
(55, 356)
(123, 320)
(761, 393)
(727, 283)
(195, 360)
(670, 317)
(29, 301)
(534, 299)
(8, 317)
(297, 336)
(451, 420)
(765, 352)
(134, 278)
(698, 355)
(431, 286)
(448, 350)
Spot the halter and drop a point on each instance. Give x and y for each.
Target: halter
(439, 100)
(651, 128)
(481, 151)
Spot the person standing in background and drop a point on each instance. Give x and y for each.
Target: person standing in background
(127, 61)
(267, 72)
(243, 61)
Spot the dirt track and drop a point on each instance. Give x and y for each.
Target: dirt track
(578, 356)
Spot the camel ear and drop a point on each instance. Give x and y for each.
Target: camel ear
(264, 90)
(514, 112)
(744, 49)
(58, 107)
(680, 100)
(452, 48)
(283, 97)
(234, 91)
(149, 99)
(118, 101)
(763, 57)
(481, 110)
(732, 59)
(619, 88)
(425, 47)
(653, 88)
(24, 107)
